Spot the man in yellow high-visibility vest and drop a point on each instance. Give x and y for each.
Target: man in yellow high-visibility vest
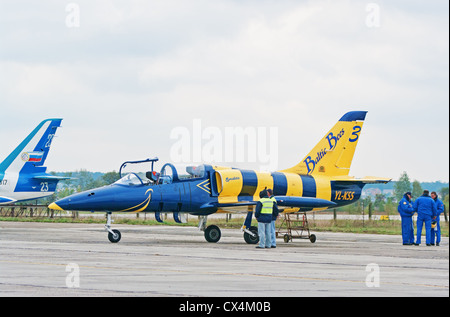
(275, 213)
(263, 214)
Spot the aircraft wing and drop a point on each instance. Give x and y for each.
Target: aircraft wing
(299, 202)
(51, 177)
(364, 180)
(6, 200)
(283, 201)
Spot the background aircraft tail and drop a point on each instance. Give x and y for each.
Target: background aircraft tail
(30, 155)
(333, 155)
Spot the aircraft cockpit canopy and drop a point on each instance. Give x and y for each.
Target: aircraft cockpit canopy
(167, 175)
(196, 171)
(130, 180)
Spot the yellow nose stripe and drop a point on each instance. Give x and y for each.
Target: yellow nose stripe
(54, 206)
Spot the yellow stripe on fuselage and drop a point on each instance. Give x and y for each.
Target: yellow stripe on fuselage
(265, 180)
(229, 184)
(323, 189)
(295, 185)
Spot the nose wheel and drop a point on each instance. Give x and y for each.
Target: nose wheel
(114, 235)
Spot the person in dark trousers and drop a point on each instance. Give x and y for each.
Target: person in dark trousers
(406, 211)
(436, 231)
(275, 214)
(263, 214)
(426, 212)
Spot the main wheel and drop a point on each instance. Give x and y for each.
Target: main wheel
(286, 238)
(212, 233)
(312, 238)
(249, 238)
(114, 238)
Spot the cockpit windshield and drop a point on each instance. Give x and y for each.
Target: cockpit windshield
(130, 180)
(196, 171)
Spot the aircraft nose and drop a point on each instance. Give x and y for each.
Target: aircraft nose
(62, 204)
(54, 206)
(84, 201)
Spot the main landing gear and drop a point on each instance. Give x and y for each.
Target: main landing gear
(114, 235)
(250, 232)
(213, 233)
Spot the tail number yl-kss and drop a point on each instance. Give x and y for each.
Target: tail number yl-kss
(344, 195)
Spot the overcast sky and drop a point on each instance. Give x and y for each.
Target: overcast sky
(124, 75)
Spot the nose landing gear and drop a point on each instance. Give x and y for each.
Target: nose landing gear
(114, 235)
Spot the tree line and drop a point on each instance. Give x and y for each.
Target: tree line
(404, 185)
(384, 203)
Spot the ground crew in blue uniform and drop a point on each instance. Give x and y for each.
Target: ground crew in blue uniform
(426, 212)
(406, 210)
(275, 214)
(436, 232)
(263, 214)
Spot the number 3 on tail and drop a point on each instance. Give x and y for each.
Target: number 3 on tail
(355, 134)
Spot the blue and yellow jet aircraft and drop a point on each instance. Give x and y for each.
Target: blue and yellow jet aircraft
(22, 174)
(318, 182)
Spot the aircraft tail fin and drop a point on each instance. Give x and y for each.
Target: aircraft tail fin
(333, 155)
(31, 153)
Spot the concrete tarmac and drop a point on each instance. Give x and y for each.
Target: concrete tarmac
(48, 259)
